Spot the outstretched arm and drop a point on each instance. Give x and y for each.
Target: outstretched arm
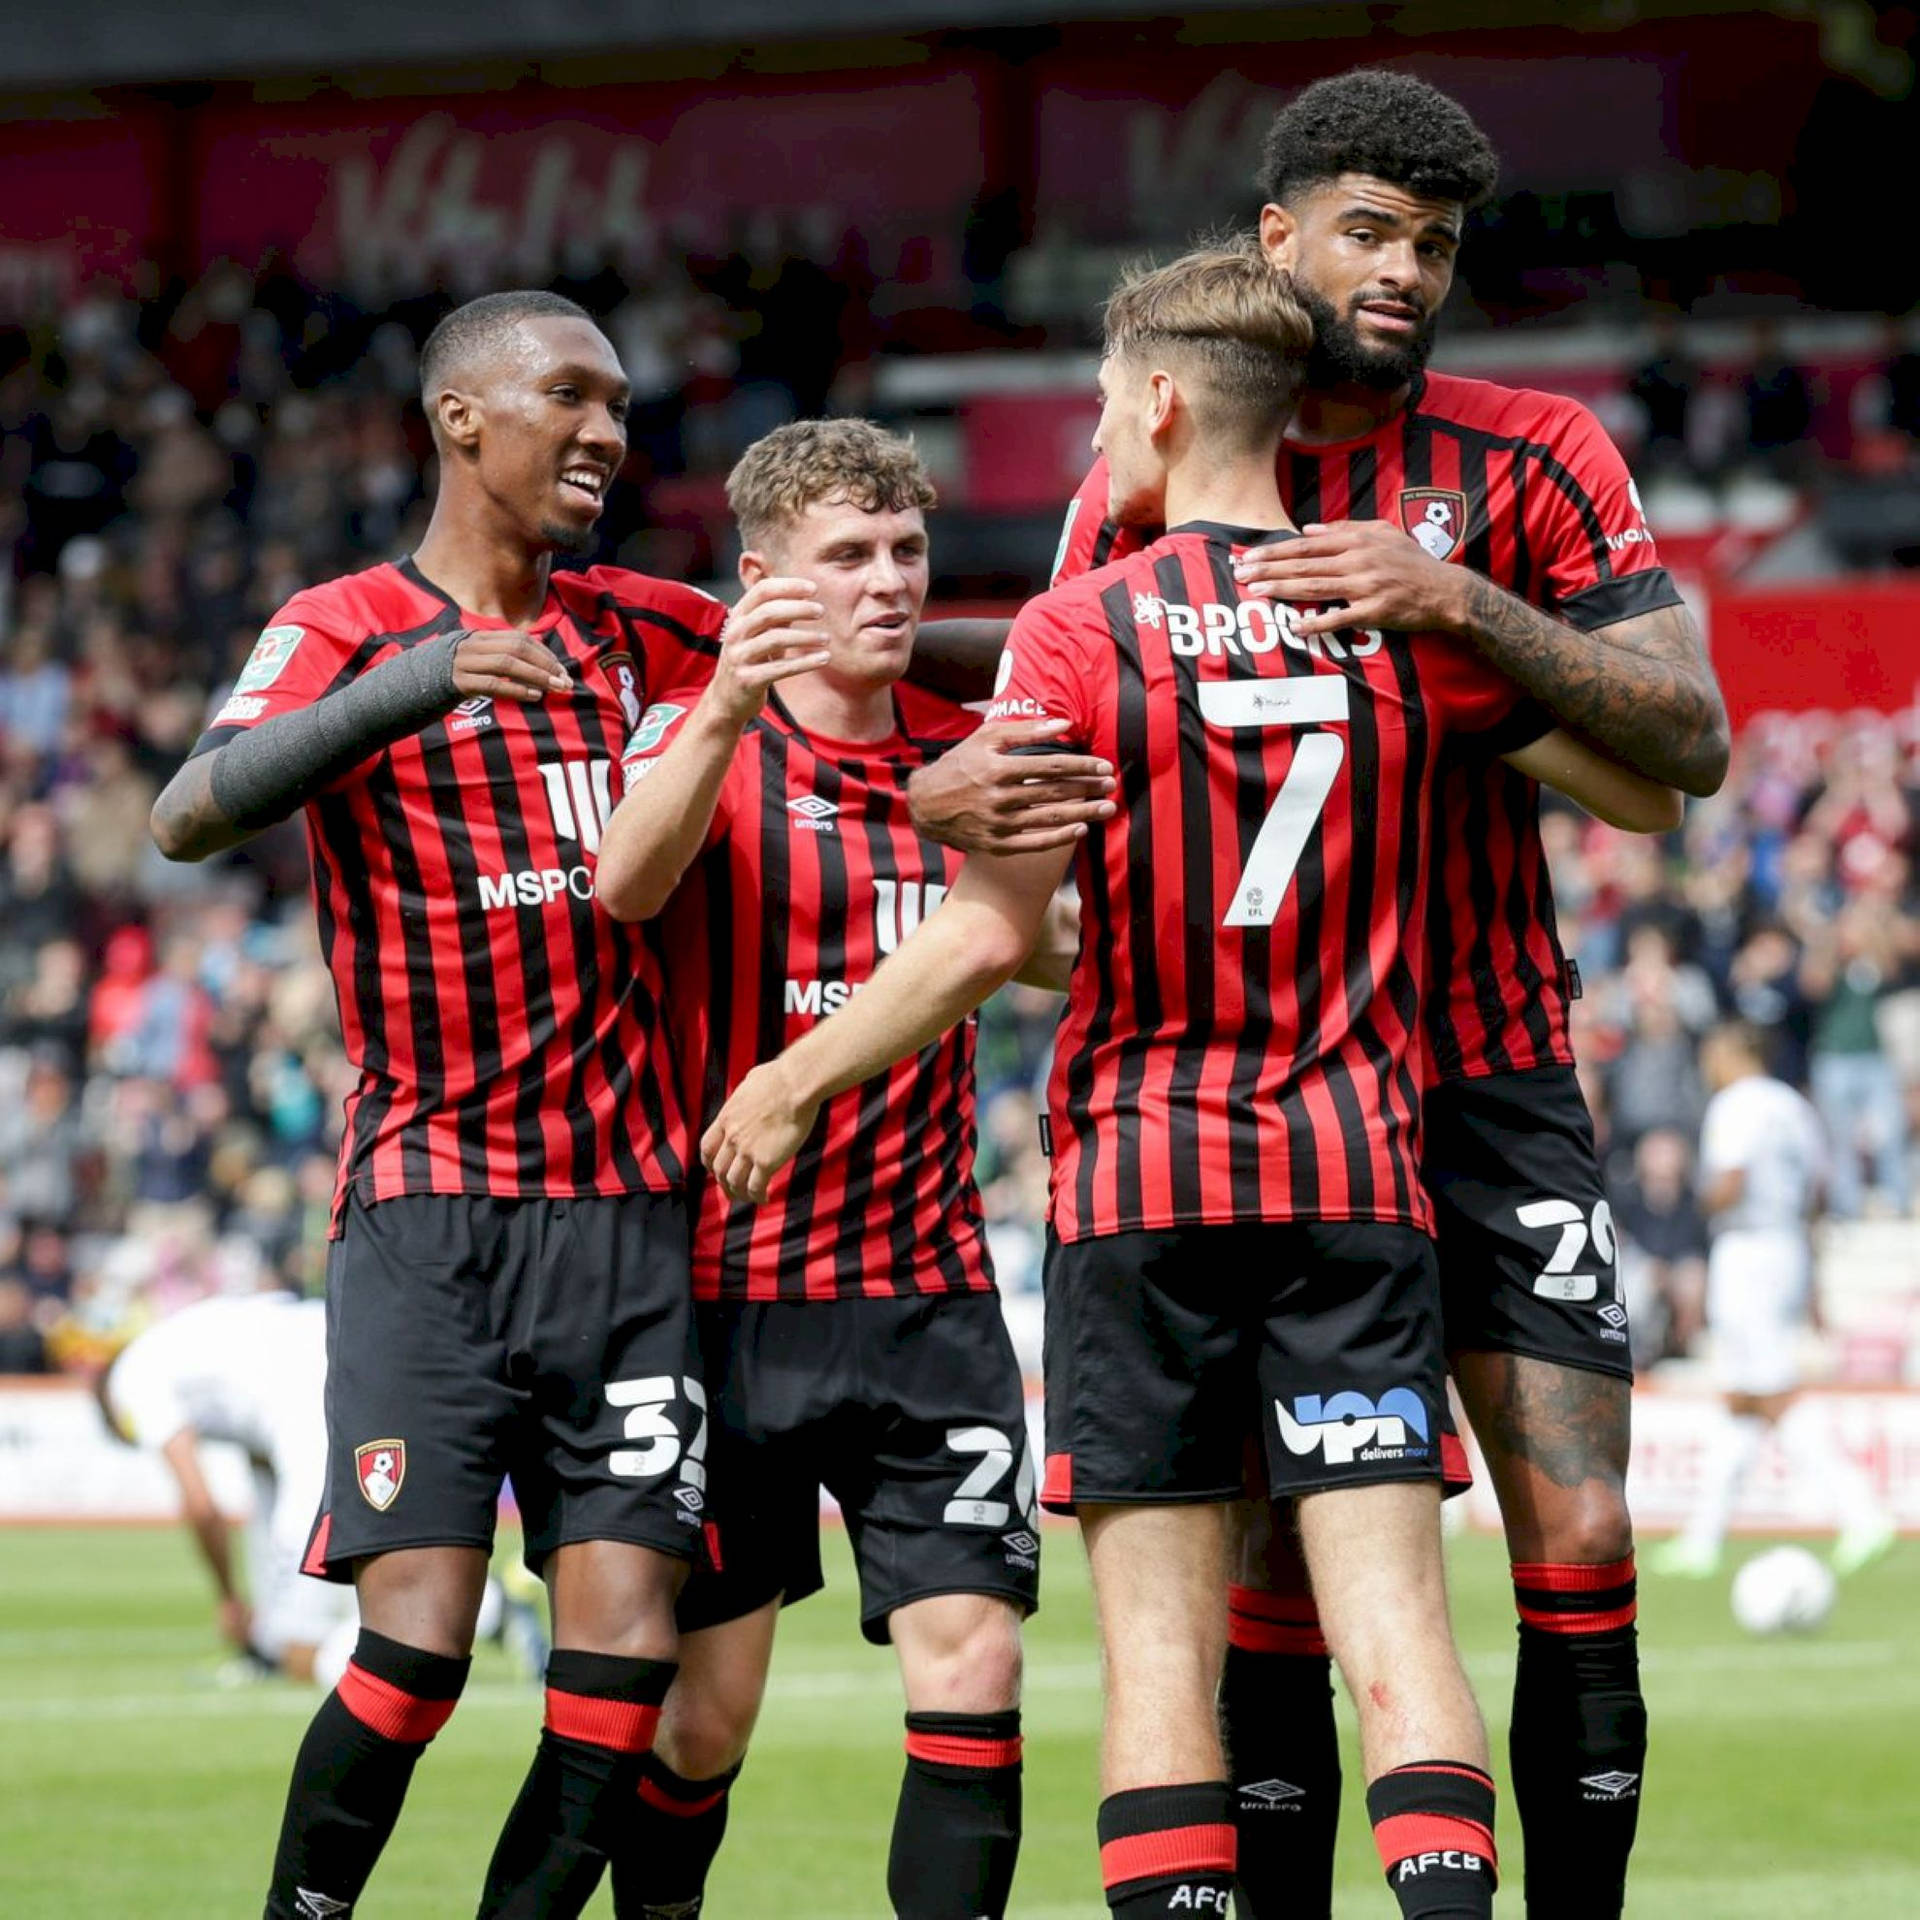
(1608, 791)
(221, 798)
(961, 953)
(1639, 687)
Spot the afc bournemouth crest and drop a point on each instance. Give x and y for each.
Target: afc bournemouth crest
(380, 1466)
(1436, 517)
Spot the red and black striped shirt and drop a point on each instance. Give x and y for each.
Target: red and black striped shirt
(811, 874)
(1526, 489)
(1242, 1039)
(507, 1033)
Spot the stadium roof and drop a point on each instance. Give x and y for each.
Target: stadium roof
(94, 43)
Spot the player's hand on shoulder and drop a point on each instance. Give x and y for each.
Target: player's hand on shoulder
(757, 1132)
(1374, 573)
(1007, 788)
(507, 666)
(775, 632)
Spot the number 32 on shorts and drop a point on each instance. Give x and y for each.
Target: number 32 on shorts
(652, 1426)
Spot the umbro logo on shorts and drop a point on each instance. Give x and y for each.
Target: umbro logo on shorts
(318, 1906)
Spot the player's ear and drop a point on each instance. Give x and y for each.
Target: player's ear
(1161, 392)
(1279, 231)
(753, 567)
(456, 419)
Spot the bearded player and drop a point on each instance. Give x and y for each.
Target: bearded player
(1550, 574)
(1238, 1246)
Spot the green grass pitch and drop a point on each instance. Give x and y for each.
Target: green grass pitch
(1783, 1780)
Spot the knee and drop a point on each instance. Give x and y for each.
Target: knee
(702, 1736)
(964, 1658)
(1590, 1528)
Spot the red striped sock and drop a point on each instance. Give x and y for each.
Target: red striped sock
(1276, 1711)
(1433, 1824)
(1167, 1850)
(1578, 1738)
(956, 1829)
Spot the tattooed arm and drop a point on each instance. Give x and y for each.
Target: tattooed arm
(1640, 687)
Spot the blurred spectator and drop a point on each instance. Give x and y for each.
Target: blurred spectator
(1664, 388)
(1850, 966)
(1779, 401)
(23, 1348)
(1663, 1246)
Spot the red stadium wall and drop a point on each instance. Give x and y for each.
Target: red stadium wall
(1794, 649)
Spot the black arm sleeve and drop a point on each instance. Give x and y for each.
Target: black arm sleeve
(269, 771)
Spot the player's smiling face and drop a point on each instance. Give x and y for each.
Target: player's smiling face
(1373, 264)
(870, 570)
(554, 430)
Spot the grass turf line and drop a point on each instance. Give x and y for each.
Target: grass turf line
(1780, 1779)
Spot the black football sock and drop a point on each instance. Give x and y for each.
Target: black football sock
(352, 1773)
(1276, 1716)
(1167, 1850)
(1579, 1736)
(601, 1714)
(956, 1829)
(666, 1844)
(1433, 1824)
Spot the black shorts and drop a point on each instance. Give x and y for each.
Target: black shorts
(1166, 1351)
(910, 1412)
(1526, 1237)
(472, 1341)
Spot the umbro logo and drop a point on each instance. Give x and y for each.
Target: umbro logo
(1271, 1793)
(1614, 1314)
(318, 1906)
(1611, 1786)
(691, 1498)
(1022, 1543)
(813, 813)
(471, 715)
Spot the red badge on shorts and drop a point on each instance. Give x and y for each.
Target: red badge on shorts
(380, 1466)
(1436, 517)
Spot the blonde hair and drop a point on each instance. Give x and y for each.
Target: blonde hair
(1230, 318)
(786, 471)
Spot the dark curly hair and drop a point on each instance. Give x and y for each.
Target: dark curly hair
(1390, 125)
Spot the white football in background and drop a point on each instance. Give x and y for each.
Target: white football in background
(1784, 1590)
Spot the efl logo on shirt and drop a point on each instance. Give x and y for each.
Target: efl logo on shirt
(652, 728)
(1349, 1427)
(1436, 517)
(268, 660)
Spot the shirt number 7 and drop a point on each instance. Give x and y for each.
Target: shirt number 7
(1306, 700)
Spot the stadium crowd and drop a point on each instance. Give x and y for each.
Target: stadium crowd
(172, 469)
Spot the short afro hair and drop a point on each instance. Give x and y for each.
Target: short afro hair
(1389, 125)
(472, 329)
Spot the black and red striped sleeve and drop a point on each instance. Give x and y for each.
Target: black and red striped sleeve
(1586, 531)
